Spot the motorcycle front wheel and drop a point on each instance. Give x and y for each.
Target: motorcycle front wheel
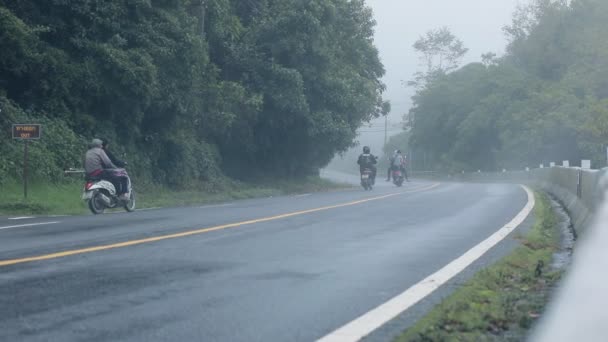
(96, 203)
(130, 204)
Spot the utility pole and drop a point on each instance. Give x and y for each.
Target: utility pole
(385, 130)
(203, 14)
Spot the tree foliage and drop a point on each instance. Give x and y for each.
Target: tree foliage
(544, 101)
(441, 52)
(271, 87)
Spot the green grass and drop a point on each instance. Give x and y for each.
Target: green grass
(501, 302)
(60, 199)
(64, 199)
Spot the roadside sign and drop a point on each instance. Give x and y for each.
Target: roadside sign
(27, 131)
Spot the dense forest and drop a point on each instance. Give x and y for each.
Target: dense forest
(189, 91)
(545, 101)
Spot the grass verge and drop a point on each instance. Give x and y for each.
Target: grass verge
(502, 302)
(64, 199)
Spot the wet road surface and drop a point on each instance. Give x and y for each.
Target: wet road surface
(275, 269)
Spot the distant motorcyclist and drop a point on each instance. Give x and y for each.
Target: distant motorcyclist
(391, 159)
(98, 165)
(404, 168)
(399, 163)
(106, 148)
(368, 161)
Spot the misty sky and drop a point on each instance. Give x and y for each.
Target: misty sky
(478, 23)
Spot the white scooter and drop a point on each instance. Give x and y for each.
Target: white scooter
(101, 194)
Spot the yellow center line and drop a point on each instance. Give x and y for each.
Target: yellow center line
(201, 231)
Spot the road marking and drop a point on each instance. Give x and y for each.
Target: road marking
(217, 205)
(202, 230)
(374, 319)
(122, 211)
(28, 225)
(21, 218)
(302, 195)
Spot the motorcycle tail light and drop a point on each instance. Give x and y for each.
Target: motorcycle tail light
(88, 185)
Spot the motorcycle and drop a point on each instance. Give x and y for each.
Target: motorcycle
(398, 178)
(366, 179)
(101, 194)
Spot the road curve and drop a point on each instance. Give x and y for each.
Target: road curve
(275, 269)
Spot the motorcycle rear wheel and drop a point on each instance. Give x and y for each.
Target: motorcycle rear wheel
(96, 204)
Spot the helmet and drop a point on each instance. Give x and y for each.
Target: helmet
(398, 151)
(96, 143)
(366, 149)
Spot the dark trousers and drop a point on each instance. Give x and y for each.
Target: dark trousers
(120, 183)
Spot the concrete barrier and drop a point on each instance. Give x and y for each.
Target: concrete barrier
(578, 190)
(578, 311)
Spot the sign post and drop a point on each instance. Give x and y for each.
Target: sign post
(26, 132)
(25, 168)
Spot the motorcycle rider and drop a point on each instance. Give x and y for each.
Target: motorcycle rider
(368, 161)
(106, 148)
(391, 159)
(404, 168)
(98, 165)
(399, 163)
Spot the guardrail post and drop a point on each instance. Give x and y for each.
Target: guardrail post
(579, 181)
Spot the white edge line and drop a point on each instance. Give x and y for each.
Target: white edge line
(146, 209)
(216, 205)
(29, 225)
(374, 319)
(302, 195)
(119, 211)
(21, 218)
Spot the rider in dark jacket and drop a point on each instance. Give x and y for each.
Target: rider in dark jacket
(368, 161)
(105, 145)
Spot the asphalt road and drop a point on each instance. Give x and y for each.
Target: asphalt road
(274, 269)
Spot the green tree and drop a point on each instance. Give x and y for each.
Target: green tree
(271, 87)
(441, 52)
(542, 102)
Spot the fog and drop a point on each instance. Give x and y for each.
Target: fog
(478, 23)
